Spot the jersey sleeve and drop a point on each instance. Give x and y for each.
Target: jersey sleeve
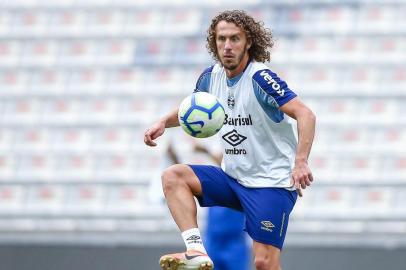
(203, 83)
(270, 89)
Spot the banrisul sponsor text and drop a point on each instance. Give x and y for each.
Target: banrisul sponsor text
(238, 121)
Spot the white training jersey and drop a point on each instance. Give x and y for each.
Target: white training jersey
(259, 140)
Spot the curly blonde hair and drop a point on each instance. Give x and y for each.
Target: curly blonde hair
(260, 37)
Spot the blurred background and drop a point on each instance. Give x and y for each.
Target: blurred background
(80, 81)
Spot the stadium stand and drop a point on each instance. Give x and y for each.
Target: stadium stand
(80, 80)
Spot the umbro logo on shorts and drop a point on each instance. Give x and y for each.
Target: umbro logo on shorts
(267, 226)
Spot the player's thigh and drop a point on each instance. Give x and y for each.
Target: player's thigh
(267, 213)
(181, 174)
(216, 190)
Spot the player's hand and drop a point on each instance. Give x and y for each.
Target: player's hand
(302, 176)
(154, 132)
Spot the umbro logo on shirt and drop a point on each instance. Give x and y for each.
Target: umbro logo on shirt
(234, 139)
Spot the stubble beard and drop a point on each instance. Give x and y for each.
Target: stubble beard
(233, 66)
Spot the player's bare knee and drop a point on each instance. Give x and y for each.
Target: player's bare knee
(172, 178)
(265, 263)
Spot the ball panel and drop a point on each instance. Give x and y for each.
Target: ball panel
(184, 106)
(205, 100)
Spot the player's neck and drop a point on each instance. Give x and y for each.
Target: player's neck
(240, 69)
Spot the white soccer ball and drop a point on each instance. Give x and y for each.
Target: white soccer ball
(201, 115)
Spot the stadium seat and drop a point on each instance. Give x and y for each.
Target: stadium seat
(32, 23)
(111, 140)
(126, 81)
(71, 140)
(10, 52)
(376, 19)
(104, 22)
(13, 82)
(325, 199)
(182, 22)
(338, 110)
(44, 199)
(21, 111)
(399, 199)
(116, 52)
(363, 168)
(77, 53)
(394, 78)
(136, 111)
(354, 139)
(325, 167)
(5, 22)
(67, 23)
(126, 199)
(32, 141)
(74, 168)
(99, 110)
(7, 138)
(153, 51)
(350, 49)
(35, 167)
(85, 81)
(363, 80)
(84, 200)
(39, 54)
(60, 111)
(11, 198)
(8, 167)
(380, 111)
(115, 166)
(375, 202)
(47, 82)
(146, 23)
(190, 51)
(393, 168)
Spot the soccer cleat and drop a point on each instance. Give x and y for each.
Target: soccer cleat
(189, 260)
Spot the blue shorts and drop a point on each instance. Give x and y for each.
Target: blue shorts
(266, 209)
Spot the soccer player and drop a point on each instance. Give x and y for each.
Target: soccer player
(264, 164)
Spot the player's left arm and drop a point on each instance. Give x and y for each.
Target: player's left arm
(306, 123)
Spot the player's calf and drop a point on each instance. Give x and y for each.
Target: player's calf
(265, 263)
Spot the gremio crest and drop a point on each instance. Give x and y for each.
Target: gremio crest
(231, 101)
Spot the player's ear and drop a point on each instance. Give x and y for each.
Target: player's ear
(249, 43)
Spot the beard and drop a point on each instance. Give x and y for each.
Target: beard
(232, 64)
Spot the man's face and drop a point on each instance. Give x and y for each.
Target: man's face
(232, 44)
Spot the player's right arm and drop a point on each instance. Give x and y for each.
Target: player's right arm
(158, 128)
(171, 119)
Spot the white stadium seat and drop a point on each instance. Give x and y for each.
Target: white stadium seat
(11, 198)
(67, 23)
(10, 52)
(39, 54)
